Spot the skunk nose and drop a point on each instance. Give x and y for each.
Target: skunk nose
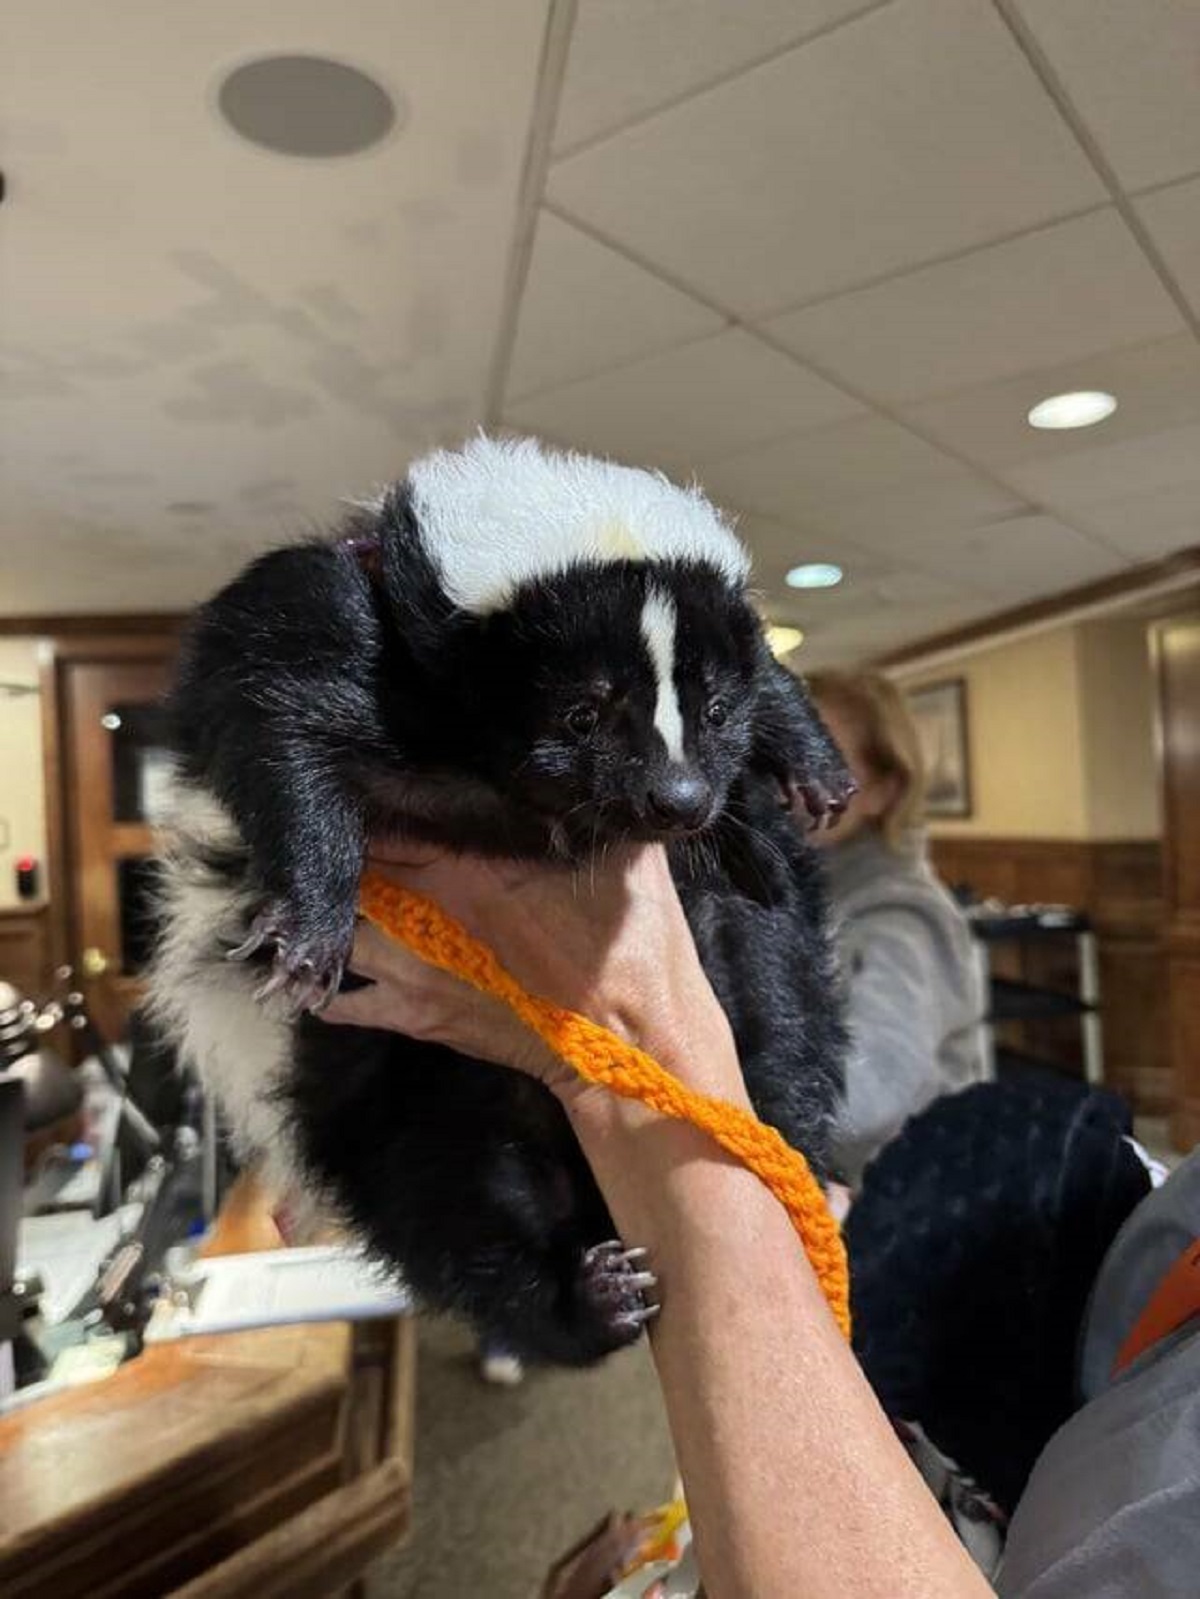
(679, 799)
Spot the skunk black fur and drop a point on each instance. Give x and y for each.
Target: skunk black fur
(343, 688)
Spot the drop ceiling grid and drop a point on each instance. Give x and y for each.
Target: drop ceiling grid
(383, 322)
(1152, 317)
(631, 60)
(849, 157)
(1128, 68)
(851, 27)
(630, 314)
(563, 415)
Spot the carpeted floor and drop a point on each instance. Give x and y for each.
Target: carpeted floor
(506, 1479)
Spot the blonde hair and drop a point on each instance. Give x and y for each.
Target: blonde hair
(890, 745)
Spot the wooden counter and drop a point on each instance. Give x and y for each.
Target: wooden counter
(268, 1463)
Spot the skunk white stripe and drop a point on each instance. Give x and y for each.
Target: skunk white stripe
(501, 512)
(658, 629)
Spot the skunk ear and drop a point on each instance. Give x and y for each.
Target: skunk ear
(794, 747)
(425, 615)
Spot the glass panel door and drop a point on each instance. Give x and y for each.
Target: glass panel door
(117, 763)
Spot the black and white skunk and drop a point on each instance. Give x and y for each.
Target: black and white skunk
(510, 652)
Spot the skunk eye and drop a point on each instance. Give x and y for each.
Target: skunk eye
(582, 720)
(716, 713)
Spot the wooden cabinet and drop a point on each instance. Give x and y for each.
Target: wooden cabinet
(25, 949)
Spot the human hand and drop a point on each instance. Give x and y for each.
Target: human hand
(612, 944)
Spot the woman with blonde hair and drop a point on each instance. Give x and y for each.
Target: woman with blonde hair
(914, 991)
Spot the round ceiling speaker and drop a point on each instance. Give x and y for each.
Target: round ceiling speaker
(307, 106)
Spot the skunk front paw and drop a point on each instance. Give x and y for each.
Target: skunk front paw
(307, 959)
(615, 1291)
(821, 804)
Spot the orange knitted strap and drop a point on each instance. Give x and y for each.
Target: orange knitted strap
(601, 1057)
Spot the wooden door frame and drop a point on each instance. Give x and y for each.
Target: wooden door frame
(56, 655)
(1181, 923)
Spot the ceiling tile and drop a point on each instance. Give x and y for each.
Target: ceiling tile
(587, 309)
(920, 588)
(1091, 482)
(1059, 294)
(913, 132)
(1129, 67)
(166, 339)
(864, 595)
(778, 546)
(686, 405)
(870, 578)
(819, 478)
(878, 629)
(1157, 386)
(1173, 218)
(1019, 557)
(629, 56)
(1148, 525)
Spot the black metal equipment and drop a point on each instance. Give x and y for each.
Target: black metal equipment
(161, 1153)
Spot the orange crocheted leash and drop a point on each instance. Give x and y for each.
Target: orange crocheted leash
(602, 1057)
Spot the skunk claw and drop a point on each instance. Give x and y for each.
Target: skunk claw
(615, 1291)
(645, 1314)
(310, 990)
(327, 991)
(642, 1279)
(823, 805)
(258, 935)
(278, 980)
(307, 965)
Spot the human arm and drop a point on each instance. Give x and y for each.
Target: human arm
(795, 1481)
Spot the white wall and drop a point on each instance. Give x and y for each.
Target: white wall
(1025, 738)
(1061, 734)
(22, 798)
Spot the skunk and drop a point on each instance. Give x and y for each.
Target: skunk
(511, 652)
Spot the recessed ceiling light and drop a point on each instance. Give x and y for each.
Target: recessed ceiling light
(814, 575)
(306, 106)
(1081, 408)
(783, 640)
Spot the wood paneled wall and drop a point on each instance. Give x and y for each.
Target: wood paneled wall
(1120, 885)
(25, 959)
(1177, 661)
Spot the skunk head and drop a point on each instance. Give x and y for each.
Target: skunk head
(619, 699)
(590, 625)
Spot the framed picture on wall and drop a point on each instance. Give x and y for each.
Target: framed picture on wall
(940, 712)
